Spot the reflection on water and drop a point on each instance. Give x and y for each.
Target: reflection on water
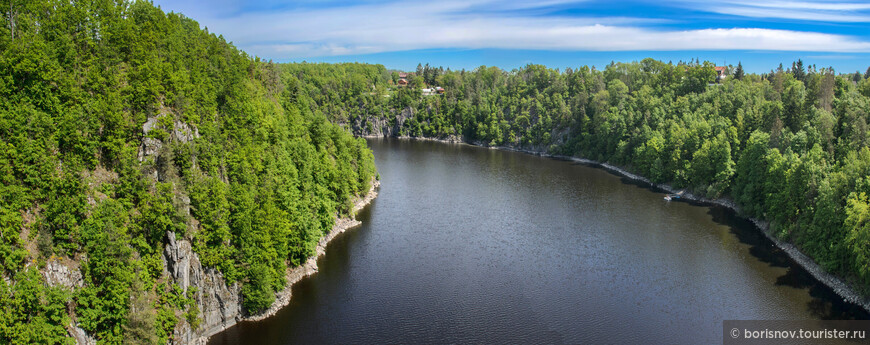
(471, 245)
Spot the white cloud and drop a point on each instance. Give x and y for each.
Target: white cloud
(824, 6)
(400, 26)
(846, 12)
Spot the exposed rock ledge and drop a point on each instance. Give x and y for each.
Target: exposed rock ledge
(221, 305)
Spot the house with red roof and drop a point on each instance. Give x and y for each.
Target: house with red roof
(720, 73)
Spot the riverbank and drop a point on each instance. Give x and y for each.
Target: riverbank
(310, 266)
(450, 139)
(295, 274)
(835, 283)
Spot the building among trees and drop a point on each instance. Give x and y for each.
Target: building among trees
(721, 73)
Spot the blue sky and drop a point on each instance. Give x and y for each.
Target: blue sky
(556, 33)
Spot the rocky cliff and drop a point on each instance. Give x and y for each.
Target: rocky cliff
(220, 305)
(382, 126)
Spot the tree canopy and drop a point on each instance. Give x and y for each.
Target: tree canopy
(121, 124)
(789, 146)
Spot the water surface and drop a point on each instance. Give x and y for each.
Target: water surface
(472, 245)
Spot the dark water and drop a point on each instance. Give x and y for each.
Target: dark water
(471, 245)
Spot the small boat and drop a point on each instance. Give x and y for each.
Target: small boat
(670, 197)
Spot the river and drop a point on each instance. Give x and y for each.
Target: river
(473, 245)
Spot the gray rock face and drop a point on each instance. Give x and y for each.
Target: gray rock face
(181, 132)
(58, 274)
(66, 273)
(379, 126)
(150, 146)
(81, 337)
(219, 305)
(177, 257)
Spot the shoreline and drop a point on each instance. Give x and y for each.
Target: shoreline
(308, 268)
(837, 284)
(295, 274)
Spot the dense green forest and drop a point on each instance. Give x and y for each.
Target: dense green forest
(120, 124)
(789, 146)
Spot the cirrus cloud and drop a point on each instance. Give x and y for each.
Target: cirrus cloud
(813, 11)
(481, 24)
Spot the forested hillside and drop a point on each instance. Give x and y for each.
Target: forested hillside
(789, 146)
(123, 128)
(121, 125)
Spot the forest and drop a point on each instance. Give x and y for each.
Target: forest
(121, 124)
(790, 146)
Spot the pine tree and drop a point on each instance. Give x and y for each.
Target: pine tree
(797, 70)
(738, 74)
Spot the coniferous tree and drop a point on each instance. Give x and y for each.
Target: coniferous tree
(231, 132)
(787, 150)
(738, 74)
(797, 70)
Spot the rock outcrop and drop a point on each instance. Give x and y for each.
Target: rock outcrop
(81, 337)
(180, 132)
(381, 126)
(220, 305)
(60, 273)
(150, 146)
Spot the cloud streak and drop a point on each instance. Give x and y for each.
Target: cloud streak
(485, 24)
(844, 12)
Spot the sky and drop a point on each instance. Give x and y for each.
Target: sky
(557, 33)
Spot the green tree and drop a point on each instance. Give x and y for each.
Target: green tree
(738, 74)
(858, 226)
